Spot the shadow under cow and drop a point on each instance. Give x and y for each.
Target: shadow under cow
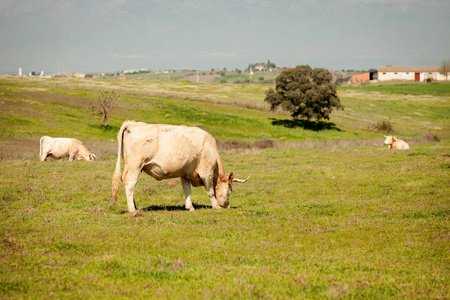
(174, 207)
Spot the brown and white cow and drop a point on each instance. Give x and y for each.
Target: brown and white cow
(395, 143)
(166, 151)
(63, 147)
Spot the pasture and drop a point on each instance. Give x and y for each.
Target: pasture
(413, 88)
(209, 76)
(327, 213)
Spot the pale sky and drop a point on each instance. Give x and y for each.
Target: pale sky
(107, 36)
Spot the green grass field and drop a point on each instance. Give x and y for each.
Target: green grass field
(209, 76)
(327, 213)
(257, 77)
(437, 89)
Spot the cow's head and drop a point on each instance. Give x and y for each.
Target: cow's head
(87, 157)
(389, 140)
(223, 189)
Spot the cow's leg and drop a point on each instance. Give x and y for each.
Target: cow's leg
(130, 178)
(187, 193)
(209, 187)
(44, 156)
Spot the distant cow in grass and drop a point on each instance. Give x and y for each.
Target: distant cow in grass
(63, 148)
(395, 143)
(166, 151)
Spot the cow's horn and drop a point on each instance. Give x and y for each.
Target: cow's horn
(240, 180)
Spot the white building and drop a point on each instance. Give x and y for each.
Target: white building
(78, 75)
(260, 67)
(411, 73)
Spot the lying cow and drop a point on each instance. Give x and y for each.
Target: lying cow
(166, 151)
(395, 143)
(62, 148)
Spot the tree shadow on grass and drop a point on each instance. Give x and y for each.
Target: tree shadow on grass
(109, 128)
(313, 125)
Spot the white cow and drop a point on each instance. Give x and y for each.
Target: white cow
(62, 148)
(166, 151)
(395, 143)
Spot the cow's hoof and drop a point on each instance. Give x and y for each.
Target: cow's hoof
(137, 213)
(190, 209)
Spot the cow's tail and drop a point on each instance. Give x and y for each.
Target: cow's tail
(117, 178)
(40, 147)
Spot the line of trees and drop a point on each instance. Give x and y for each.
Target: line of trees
(267, 66)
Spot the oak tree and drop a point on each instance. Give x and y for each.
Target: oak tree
(305, 93)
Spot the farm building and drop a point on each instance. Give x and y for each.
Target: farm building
(411, 73)
(364, 77)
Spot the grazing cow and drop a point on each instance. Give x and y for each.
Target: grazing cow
(395, 143)
(62, 148)
(166, 151)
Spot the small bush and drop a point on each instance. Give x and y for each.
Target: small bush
(432, 137)
(384, 126)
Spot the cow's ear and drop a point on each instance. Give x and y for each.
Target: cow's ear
(394, 138)
(230, 177)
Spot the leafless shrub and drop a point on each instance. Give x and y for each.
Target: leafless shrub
(106, 101)
(433, 137)
(265, 143)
